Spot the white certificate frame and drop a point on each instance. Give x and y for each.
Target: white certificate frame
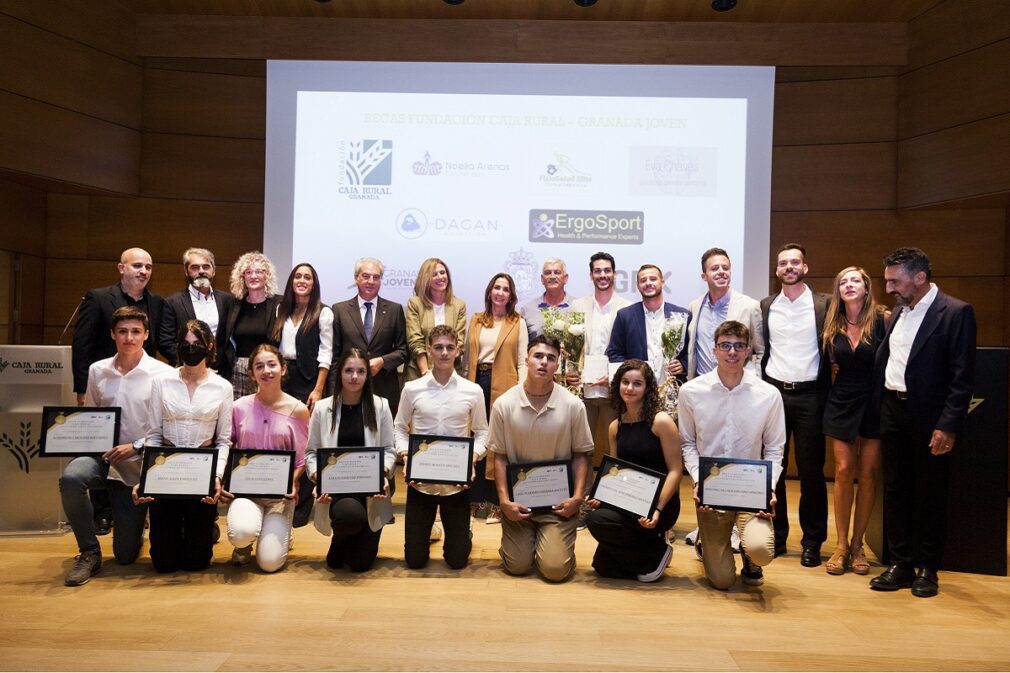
(465, 470)
(633, 477)
(517, 473)
(201, 481)
(736, 484)
(374, 487)
(55, 419)
(235, 458)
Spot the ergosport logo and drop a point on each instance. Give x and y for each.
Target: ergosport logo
(366, 168)
(622, 227)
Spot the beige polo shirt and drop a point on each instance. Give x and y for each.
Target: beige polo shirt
(526, 435)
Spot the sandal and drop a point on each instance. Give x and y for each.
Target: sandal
(836, 564)
(860, 565)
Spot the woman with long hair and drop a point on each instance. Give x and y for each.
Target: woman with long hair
(433, 304)
(269, 420)
(496, 361)
(853, 329)
(254, 285)
(628, 546)
(353, 416)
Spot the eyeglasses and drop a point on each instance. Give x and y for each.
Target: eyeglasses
(727, 346)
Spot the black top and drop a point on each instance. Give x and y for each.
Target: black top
(352, 426)
(851, 409)
(637, 444)
(252, 327)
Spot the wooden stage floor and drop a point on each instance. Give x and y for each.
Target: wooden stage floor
(307, 617)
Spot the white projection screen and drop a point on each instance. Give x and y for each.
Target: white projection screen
(497, 167)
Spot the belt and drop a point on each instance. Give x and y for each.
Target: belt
(897, 394)
(485, 366)
(792, 386)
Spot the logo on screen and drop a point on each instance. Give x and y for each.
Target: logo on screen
(562, 171)
(677, 171)
(521, 265)
(427, 167)
(622, 227)
(411, 223)
(366, 168)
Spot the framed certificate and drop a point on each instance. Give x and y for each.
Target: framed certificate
(539, 486)
(731, 483)
(356, 471)
(173, 472)
(259, 474)
(627, 487)
(437, 459)
(79, 431)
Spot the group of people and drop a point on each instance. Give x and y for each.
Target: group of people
(255, 369)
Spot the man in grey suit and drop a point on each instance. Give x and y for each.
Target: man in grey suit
(376, 327)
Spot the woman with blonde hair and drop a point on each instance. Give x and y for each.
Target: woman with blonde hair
(433, 304)
(254, 285)
(853, 329)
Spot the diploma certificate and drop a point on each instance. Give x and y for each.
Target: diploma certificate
(357, 471)
(79, 431)
(172, 472)
(540, 486)
(436, 459)
(627, 487)
(260, 474)
(737, 484)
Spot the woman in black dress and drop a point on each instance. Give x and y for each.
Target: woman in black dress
(254, 285)
(853, 328)
(629, 546)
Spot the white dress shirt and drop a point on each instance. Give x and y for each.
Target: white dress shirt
(793, 343)
(107, 387)
(205, 308)
(289, 331)
(438, 313)
(599, 325)
(453, 410)
(745, 422)
(906, 326)
(203, 420)
(655, 321)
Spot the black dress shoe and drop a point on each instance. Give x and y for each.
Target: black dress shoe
(811, 557)
(103, 525)
(894, 578)
(925, 584)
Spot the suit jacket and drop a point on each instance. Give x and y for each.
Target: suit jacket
(628, 338)
(940, 374)
(821, 301)
(505, 367)
(92, 335)
(389, 341)
(179, 309)
(420, 320)
(742, 309)
(226, 356)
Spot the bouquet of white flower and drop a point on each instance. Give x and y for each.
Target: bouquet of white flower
(673, 341)
(569, 328)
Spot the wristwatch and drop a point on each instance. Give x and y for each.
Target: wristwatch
(138, 445)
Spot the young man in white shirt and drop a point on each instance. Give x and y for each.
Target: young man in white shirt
(731, 413)
(124, 381)
(439, 403)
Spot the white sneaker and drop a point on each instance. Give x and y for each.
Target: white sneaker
(657, 574)
(494, 516)
(436, 532)
(691, 537)
(241, 556)
(734, 540)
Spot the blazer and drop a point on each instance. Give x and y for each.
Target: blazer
(420, 320)
(505, 368)
(940, 374)
(628, 339)
(323, 435)
(92, 339)
(389, 341)
(226, 358)
(742, 309)
(179, 309)
(821, 301)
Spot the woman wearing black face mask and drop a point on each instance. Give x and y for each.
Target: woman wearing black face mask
(190, 407)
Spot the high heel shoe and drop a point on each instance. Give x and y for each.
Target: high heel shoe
(860, 565)
(839, 559)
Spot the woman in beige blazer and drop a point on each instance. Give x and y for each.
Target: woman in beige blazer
(432, 304)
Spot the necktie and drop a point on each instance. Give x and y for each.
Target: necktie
(368, 321)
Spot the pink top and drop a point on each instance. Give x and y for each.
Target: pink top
(256, 426)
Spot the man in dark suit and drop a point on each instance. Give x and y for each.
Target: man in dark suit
(638, 328)
(91, 341)
(199, 301)
(375, 326)
(925, 372)
(794, 362)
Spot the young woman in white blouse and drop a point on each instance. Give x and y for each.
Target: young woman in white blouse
(190, 407)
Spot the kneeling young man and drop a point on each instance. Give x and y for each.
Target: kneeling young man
(439, 403)
(731, 413)
(534, 421)
(124, 380)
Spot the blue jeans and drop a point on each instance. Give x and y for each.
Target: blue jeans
(84, 473)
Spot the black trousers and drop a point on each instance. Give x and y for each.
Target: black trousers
(803, 423)
(915, 488)
(483, 489)
(456, 543)
(182, 534)
(353, 542)
(625, 549)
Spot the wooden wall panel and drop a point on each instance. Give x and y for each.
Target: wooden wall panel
(204, 104)
(833, 177)
(954, 27)
(66, 226)
(216, 66)
(196, 167)
(33, 282)
(107, 26)
(814, 73)
(835, 111)
(22, 219)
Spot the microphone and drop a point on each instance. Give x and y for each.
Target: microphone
(72, 316)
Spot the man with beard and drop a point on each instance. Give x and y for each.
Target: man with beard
(794, 362)
(199, 301)
(554, 277)
(638, 329)
(925, 371)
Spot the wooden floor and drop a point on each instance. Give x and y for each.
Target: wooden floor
(308, 617)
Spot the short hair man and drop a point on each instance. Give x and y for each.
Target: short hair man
(374, 325)
(439, 403)
(638, 329)
(730, 412)
(124, 381)
(199, 301)
(795, 363)
(554, 277)
(719, 304)
(925, 369)
(535, 421)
